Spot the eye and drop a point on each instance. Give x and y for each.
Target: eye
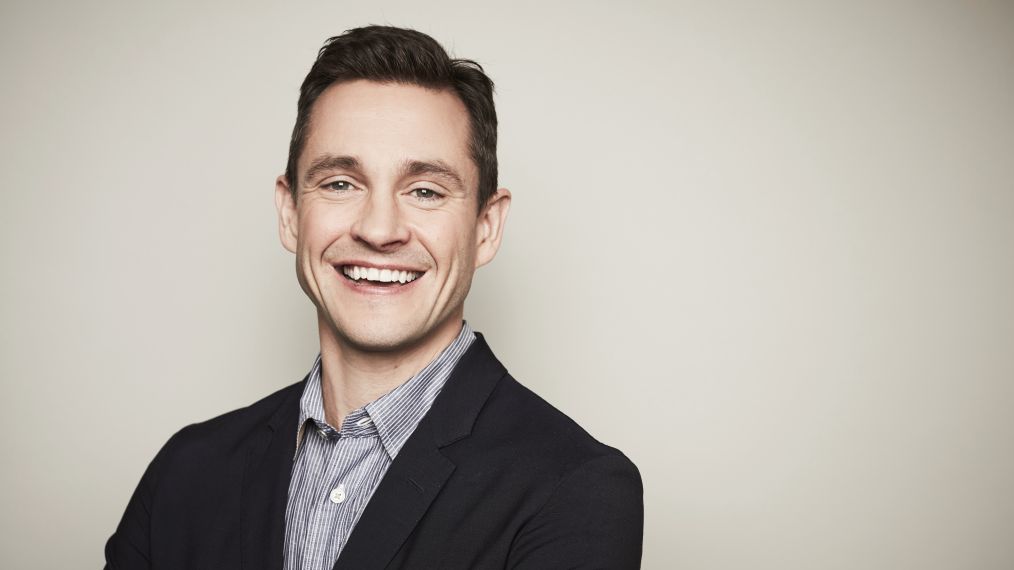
(426, 194)
(340, 186)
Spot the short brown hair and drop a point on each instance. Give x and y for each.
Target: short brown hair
(396, 55)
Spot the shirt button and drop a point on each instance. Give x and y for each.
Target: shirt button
(322, 432)
(364, 422)
(338, 494)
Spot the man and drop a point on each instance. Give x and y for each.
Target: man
(407, 445)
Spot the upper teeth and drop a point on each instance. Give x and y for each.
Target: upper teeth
(382, 275)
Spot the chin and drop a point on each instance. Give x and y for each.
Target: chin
(389, 337)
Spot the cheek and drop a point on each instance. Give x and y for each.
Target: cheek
(465, 253)
(317, 230)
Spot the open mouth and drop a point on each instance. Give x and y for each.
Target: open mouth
(379, 277)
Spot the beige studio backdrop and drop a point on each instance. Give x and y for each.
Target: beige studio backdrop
(765, 248)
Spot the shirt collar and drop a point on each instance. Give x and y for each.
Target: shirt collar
(394, 415)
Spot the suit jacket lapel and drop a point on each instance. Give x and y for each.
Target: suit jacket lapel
(265, 487)
(420, 470)
(401, 499)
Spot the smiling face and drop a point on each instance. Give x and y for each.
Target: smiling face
(385, 225)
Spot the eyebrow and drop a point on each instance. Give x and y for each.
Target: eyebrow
(436, 168)
(330, 162)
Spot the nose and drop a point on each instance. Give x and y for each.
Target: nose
(380, 223)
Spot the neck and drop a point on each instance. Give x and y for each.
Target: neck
(352, 376)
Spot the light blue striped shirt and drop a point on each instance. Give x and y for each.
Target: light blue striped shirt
(335, 471)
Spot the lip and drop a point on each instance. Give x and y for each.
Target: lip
(364, 287)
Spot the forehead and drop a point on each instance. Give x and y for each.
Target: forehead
(386, 124)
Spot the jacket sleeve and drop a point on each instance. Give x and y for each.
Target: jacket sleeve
(129, 547)
(594, 519)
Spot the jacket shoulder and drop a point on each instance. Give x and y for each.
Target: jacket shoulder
(589, 510)
(551, 494)
(220, 437)
(242, 420)
(543, 425)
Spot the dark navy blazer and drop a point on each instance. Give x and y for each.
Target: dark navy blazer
(493, 477)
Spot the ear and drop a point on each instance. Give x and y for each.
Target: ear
(288, 216)
(490, 225)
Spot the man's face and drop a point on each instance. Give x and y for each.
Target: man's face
(386, 227)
